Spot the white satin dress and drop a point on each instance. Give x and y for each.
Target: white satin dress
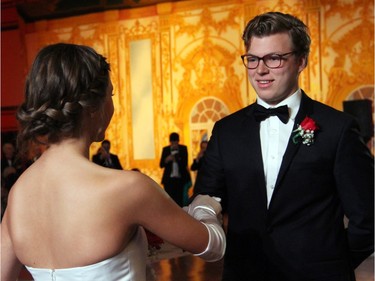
(129, 265)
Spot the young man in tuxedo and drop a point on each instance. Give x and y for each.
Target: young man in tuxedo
(288, 169)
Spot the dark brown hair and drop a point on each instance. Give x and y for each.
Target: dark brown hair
(65, 80)
(275, 22)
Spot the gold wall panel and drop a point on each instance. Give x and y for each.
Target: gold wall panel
(196, 65)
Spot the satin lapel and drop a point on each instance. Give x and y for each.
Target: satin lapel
(292, 148)
(252, 138)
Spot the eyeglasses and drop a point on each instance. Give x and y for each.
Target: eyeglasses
(271, 60)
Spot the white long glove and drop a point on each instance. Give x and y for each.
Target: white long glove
(207, 210)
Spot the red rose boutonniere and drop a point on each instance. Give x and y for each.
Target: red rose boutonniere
(305, 131)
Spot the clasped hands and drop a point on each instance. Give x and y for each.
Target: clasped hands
(204, 203)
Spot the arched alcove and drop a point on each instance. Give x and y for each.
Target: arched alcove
(203, 116)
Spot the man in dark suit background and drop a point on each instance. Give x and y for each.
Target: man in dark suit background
(105, 158)
(197, 162)
(8, 158)
(287, 176)
(174, 161)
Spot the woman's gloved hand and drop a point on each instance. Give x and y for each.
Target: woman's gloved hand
(207, 210)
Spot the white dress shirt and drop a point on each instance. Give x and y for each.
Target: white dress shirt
(274, 137)
(175, 170)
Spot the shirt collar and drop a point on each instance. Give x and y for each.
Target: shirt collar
(293, 102)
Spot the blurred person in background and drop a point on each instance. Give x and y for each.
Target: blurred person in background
(105, 158)
(176, 177)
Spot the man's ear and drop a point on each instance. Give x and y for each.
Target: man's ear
(302, 61)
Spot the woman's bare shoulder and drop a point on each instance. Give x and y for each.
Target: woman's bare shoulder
(134, 184)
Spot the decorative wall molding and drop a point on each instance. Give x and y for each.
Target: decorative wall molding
(195, 58)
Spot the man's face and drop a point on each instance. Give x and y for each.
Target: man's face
(275, 85)
(174, 144)
(8, 150)
(203, 146)
(106, 146)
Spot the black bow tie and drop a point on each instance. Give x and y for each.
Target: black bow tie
(261, 113)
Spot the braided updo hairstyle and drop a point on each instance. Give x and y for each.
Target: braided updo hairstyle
(64, 82)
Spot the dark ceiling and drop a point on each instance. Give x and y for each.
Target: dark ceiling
(34, 10)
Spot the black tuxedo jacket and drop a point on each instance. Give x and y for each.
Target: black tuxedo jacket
(114, 159)
(182, 161)
(301, 236)
(15, 164)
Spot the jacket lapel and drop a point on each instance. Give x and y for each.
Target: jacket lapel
(292, 148)
(252, 127)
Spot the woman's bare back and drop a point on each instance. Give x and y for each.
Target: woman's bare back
(65, 213)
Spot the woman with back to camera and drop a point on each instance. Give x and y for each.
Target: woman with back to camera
(70, 219)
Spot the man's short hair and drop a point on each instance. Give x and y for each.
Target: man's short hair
(174, 137)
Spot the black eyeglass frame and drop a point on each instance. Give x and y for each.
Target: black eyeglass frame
(280, 57)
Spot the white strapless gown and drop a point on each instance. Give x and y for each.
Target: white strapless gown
(129, 265)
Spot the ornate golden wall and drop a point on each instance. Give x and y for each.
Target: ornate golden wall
(197, 76)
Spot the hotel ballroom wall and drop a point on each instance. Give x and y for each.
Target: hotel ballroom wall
(176, 66)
